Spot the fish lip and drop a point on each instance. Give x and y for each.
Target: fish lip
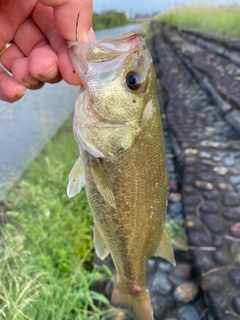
(85, 54)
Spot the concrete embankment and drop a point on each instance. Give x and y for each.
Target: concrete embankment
(198, 78)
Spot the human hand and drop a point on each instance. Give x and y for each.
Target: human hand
(39, 53)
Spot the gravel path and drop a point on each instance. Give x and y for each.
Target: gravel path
(200, 100)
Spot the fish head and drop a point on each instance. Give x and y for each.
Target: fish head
(117, 77)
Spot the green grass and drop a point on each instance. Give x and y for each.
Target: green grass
(46, 247)
(208, 18)
(46, 250)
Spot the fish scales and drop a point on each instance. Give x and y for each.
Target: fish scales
(138, 180)
(130, 217)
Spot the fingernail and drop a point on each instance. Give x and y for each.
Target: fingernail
(32, 81)
(15, 98)
(91, 35)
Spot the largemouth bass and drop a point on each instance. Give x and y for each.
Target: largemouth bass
(117, 126)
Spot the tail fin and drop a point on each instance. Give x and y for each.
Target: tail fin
(137, 303)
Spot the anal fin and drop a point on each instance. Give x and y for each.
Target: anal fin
(102, 182)
(76, 179)
(164, 249)
(99, 243)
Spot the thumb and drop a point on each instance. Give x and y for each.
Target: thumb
(73, 18)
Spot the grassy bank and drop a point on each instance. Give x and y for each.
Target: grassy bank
(46, 248)
(208, 18)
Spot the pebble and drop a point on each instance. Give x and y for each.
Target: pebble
(204, 185)
(214, 223)
(198, 238)
(232, 214)
(216, 158)
(189, 160)
(151, 266)
(203, 260)
(217, 240)
(231, 199)
(223, 186)
(190, 151)
(220, 257)
(191, 199)
(209, 143)
(210, 195)
(229, 317)
(236, 304)
(161, 284)
(205, 154)
(194, 222)
(235, 230)
(188, 178)
(220, 170)
(189, 210)
(175, 197)
(234, 276)
(189, 169)
(209, 206)
(234, 179)
(229, 161)
(213, 283)
(173, 185)
(170, 165)
(186, 292)
(159, 307)
(219, 303)
(175, 207)
(182, 271)
(165, 266)
(206, 176)
(234, 249)
(188, 313)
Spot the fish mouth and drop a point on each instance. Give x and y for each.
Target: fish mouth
(89, 57)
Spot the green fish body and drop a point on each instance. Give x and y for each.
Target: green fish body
(118, 128)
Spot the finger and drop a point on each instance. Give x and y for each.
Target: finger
(22, 75)
(91, 35)
(57, 42)
(47, 26)
(43, 65)
(12, 14)
(70, 14)
(42, 62)
(66, 68)
(12, 53)
(10, 89)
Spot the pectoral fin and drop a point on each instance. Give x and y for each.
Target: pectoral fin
(76, 179)
(102, 182)
(99, 243)
(164, 249)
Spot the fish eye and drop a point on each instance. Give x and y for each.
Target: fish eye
(133, 80)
